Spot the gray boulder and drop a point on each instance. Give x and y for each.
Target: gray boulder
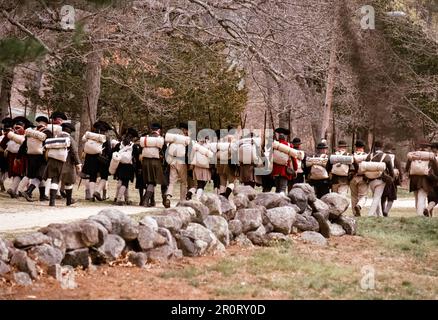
(163, 254)
(149, 222)
(71, 234)
(257, 237)
(22, 279)
(243, 241)
(76, 258)
(138, 258)
(308, 190)
(212, 202)
(4, 268)
(271, 200)
(337, 203)
(299, 197)
(228, 208)
(241, 201)
(276, 237)
(4, 251)
(148, 238)
(63, 274)
(204, 239)
(129, 230)
(336, 230)
(349, 224)
(186, 214)
(235, 226)
(248, 191)
(46, 255)
(170, 240)
(324, 224)
(201, 211)
(314, 238)
(219, 226)
(56, 236)
(117, 218)
(103, 220)
(321, 207)
(269, 227)
(92, 233)
(31, 239)
(23, 263)
(282, 219)
(251, 219)
(305, 222)
(173, 223)
(111, 249)
(188, 246)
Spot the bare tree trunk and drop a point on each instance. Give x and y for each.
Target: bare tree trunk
(36, 85)
(270, 96)
(92, 92)
(283, 116)
(5, 92)
(329, 93)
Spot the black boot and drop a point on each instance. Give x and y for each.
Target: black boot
(227, 192)
(152, 201)
(52, 199)
(147, 199)
(166, 200)
(43, 196)
(68, 197)
(28, 193)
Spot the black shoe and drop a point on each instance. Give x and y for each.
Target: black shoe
(147, 199)
(120, 203)
(166, 201)
(52, 198)
(97, 196)
(385, 214)
(189, 195)
(68, 196)
(28, 193)
(426, 212)
(63, 193)
(152, 201)
(43, 196)
(356, 211)
(12, 194)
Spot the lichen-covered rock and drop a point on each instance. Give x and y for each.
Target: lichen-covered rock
(111, 249)
(235, 227)
(336, 230)
(212, 202)
(31, 239)
(162, 254)
(305, 222)
(271, 200)
(204, 239)
(4, 251)
(22, 279)
(228, 208)
(257, 237)
(337, 203)
(251, 219)
(248, 191)
(201, 211)
(219, 226)
(46, 255)
(23, 263)
(149, 222)
(299, 197)
(76, 258)
(186, 214)
(173, 223)
(148, 238)
(321, 207)
(103, 220)
(243, 241)
(308, 190)
(314, 238)
(276, 237)
(138, 258)
(241, 201)
(349, 224)
(282, 218)
(324, 224)
(4, 268)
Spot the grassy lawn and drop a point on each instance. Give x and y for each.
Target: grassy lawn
(402, 252)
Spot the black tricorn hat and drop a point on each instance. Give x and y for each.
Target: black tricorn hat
(378, 144)
(155, 126)
(296, 140)
(42, 119)
(322, 145)
(102, 126)
(184, 125)
(359, 144)
(69, 126)
(130, 131)
(22, 121)
(7, 120)
(283, 131)
(58, 114)
(342, 143)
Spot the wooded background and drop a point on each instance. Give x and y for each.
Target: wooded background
(306, 65)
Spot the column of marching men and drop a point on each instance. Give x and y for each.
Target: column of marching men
(43, 156)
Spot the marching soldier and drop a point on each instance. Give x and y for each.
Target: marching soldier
(420, 166)
(301, 164)
(72, 165)
(97, 150)
(432, 196)
(151, 164)
(358, 184)
(317, 169)
(284, 165)
(226, 170)
(34, 147)
(378, 177)
(340, 172)
(7, 126)
(390, 193)
(249, 149)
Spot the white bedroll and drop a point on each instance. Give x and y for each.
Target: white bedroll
(317, 170)
(201, 156)
(151, 146)
(420, 162)
(126, 154)
(114, 164)
(55, 129)
(248, 150)
(222, 151)
(17, 138)
(283, 152)
(93, 142)
(176, 151)
(341, 164)
(57, 148)
(373, 169)
(14, 143)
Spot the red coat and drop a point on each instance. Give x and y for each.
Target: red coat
(279, 170)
